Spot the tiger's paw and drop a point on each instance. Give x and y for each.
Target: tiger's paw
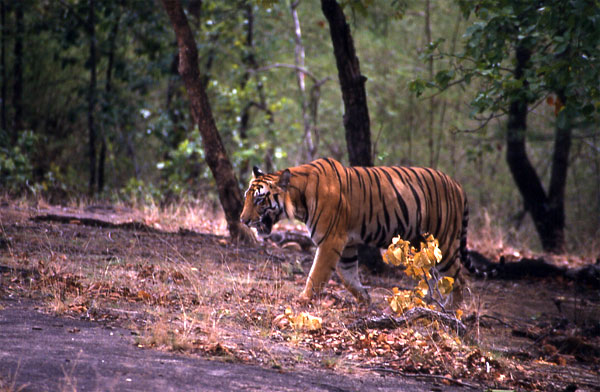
(304, 299)
(362, 296)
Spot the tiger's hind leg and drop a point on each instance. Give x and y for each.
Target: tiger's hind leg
(347, 270)
(452, 267)
(455, 299)
(456, 295)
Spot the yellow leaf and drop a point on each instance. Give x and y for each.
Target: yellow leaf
(459, 314)
(306, 321)
(420, 292)
(422, 289)
(434, 254)
(399, 255)
(421, 260)
(445, 284)
(387, 257)
(438, 254)
(412, 272)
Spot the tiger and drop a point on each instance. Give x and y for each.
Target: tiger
(344, 207)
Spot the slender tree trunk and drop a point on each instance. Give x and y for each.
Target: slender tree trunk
(18, 71)
(252, 64)
(558, 183)
(92, 98)
(547, 211)
(3, 63)
(356, 112)
(250, 61)
(432, 102)
(108, 97)
(299, 55)
(216, 156)
(179, 131)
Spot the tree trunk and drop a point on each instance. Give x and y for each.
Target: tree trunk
(432, 101)
(356, 113)
(556, 194)
(3, 64)
(216, 156)
(251, 63)
(299, 55)
(547, 211)
(108, 97)
(92, 99)
(18, 71)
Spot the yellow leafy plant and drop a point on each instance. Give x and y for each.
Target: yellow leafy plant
(302, 321)
(418, 265)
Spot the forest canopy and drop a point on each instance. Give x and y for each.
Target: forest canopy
(501, 95)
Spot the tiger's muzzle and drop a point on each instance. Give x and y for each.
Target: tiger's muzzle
(263, 225)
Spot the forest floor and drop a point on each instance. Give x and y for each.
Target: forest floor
(109, 298)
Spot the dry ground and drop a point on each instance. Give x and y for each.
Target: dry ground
(180, 287)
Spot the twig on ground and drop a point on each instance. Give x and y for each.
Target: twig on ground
(430, 376)
(473, 317)
(410, 315)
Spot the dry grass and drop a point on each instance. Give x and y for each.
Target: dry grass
(193, 217)
(9, 383)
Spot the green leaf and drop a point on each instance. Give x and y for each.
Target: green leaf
(443, 77)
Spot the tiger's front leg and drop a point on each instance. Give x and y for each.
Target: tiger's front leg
(326, 258)
(347, 270)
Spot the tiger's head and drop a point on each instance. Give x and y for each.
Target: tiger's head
(267, 200)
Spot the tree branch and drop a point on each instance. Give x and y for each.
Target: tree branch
(285, 65)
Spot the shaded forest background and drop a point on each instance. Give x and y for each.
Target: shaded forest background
(93, 105)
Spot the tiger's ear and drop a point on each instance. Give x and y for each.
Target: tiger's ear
(284, 179)
(257, 172)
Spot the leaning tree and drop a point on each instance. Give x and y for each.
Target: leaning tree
(228, 189)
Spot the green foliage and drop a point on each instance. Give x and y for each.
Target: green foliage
(15, 161)
(562, 37)
(138, 191)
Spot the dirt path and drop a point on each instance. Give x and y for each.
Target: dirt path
(40, 352)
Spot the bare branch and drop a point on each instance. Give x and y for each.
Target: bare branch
(430, 376)
(285, 65)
